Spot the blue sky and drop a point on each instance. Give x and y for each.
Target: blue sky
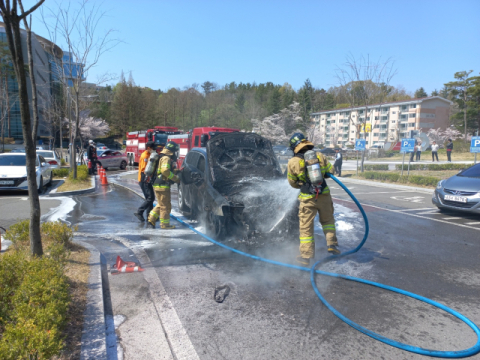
(177, 43)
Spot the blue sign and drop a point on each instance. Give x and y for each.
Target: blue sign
(475, 145)
(408, 145)
(360, 144)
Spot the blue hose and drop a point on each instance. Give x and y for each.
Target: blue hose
(435, 353)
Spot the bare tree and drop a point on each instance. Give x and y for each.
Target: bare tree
(365, 82)
(11, 18)
(77, 28)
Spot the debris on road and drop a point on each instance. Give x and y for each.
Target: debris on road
(221, 292)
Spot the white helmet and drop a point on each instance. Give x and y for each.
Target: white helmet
(90, 141)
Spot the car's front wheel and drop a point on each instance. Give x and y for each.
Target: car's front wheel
(123, 165)
(216, 226)
(181, 199)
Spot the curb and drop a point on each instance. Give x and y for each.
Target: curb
(94, 343)
(93, 180)
(391, 186)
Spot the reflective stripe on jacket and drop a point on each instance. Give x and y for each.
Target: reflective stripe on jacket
(296, 172)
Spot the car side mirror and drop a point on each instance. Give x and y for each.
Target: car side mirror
(44, 164)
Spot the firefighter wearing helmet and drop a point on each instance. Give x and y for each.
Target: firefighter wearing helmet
(166, 176)
(307, 171)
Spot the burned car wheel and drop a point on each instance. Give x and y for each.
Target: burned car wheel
(181, 200)
(216, 226)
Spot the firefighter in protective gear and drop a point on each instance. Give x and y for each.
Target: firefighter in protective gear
(166, 176)
(312, 200)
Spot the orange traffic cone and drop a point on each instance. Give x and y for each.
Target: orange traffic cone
(125, 267)
(104, 178)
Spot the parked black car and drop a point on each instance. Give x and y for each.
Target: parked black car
(233, 185)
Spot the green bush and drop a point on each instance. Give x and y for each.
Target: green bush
(370, 167)
(433, 167)
(63, 172)
(34, 293)
(63, 162)
(391, 153)
(380, 176)
(38, 311)
(393, 177)
(82, 173)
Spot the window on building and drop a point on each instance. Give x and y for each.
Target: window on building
(385, 109)
(376, 117)
(411, 125)
(411, 115)
(413, 106)
(376, 126)
(375, 134)
(383, 118)
(361, 112)
(394, 112)
(353, 131)
(352, 139)
(404, 116)
(404, 107)
(393, 121)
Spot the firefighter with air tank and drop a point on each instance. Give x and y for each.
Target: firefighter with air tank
(163, 172)
(307, 171)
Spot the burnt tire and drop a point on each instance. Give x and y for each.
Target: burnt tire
(123, 165)
(216, 226)
(181, 200)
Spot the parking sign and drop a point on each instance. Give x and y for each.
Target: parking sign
(360, 144)
(408, 145)
(475, 144)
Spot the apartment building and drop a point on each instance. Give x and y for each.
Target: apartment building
(387, 122)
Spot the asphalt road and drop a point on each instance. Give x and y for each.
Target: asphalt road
(272, 312)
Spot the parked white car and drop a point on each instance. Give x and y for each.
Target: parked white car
(13, 172)
(52, 158)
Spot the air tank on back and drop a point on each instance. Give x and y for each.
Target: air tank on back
(152, 164)
(313, 168)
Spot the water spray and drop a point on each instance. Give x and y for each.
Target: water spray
(418, 350)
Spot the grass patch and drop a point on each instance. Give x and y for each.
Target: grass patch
(42, 300)
(82, 181)
(73, 185)
(61, 173)
(422, 178)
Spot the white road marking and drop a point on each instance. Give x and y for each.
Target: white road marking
(429, 212)
(451, 218)
(414, 215)
(417, 209)
(414, 199)
(473, 223)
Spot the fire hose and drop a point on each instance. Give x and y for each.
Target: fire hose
(418, 350)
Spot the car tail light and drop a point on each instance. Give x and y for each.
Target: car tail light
(53, 162)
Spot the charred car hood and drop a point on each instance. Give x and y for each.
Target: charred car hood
(235, 156)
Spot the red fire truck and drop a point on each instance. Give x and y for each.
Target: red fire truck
(197, 137)
(136, 141)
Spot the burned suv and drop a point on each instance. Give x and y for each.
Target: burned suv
(236, 186)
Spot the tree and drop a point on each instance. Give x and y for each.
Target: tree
(459, 89)
(420, 93)
(78, 30)
(279, 127)
(365, 82)
(435, 93)
(12, 18)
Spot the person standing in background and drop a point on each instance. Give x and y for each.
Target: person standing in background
(419, 151)
(338, 162)
(434, 151)
(146, 186)
(449, 150)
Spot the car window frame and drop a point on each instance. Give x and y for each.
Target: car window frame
(192, 155)
(204, 163)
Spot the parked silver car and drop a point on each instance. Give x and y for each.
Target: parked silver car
(52, 158)
(460, 192)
